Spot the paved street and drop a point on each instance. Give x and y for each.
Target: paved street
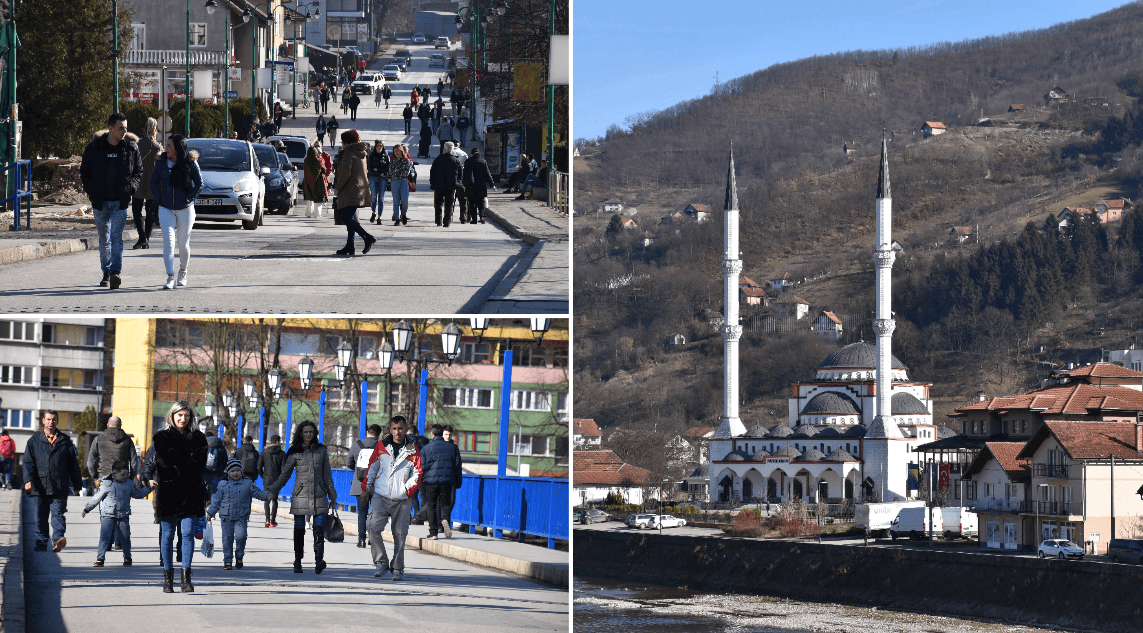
(65, 593)
(288, 264)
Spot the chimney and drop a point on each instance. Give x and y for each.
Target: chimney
(980, 397)
(1071, 365)
(1138, 437)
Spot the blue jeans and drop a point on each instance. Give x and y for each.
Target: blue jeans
(400, 187)
(529, 183)
(362, 513)
(377, 185)
(233, 530)
(56, 507)
(300, 521)
(5, 470)
(109, 221)
(110, 527)
(166, 545)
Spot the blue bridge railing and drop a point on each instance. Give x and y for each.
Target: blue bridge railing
(525, 505)
(23, 192)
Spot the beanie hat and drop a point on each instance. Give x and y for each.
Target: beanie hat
(233, 463)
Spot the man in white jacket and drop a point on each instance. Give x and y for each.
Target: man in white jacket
(392, 481)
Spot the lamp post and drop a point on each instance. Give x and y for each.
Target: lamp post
(186, 83)
(211, 6)
(273, 20)
(295, 18)
(114, 59)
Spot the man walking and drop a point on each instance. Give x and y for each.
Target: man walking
(461, 126)
(354, 102)
(477, 181)
(444, 180)
(271, 466)
(440, 461)
(110, 172)
(386, 93)
(444, 133)
(51, 472)
(113, 445)
(407, 114)
(359, 455)
(248, 455)
(392, 480)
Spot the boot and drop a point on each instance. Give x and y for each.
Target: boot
(168, 581)
(187, 586)
(319, 548)
(361, 541)
(299, 548)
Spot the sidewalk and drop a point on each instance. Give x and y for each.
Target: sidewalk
(56, 230)
(11, 563)
(536, 284)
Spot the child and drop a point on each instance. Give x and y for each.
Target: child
(232, 502)
(114, 501)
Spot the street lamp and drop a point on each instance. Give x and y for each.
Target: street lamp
(478, 325)
(228, 398)
(540, 326)
(306, 372)
(274, 380)
(294, 17)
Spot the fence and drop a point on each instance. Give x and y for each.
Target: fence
(524, 505)
(21, 177)
(558, 191)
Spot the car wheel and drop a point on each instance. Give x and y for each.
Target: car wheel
(1041, 554)
(1062, 557)
(1115, 559)
(251, 225)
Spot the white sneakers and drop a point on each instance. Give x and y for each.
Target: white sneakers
(182, 280)
(170, 285)
(172, 280)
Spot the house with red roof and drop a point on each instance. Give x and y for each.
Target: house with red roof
(828, 325)
(596, 474)
(586, 434)
(698, 212)
(933, 128)
(997, 487)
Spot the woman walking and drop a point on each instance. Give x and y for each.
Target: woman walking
(378, 163)
(175, 183)
(477, 181)
(180, 456)
(351, 188)
(313, 483)
(414, 96)
(314, 189)
(331, 128)
(320, 129)
(399, 169)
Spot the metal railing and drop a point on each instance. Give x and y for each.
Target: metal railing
(22, 176)
(174, 57)
(1054, 507)
(558, 187)
(1057, 471)
(524, 505)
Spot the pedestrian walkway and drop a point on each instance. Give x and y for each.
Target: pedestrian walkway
(65, 593)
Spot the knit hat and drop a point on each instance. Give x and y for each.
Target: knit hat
(233, 463)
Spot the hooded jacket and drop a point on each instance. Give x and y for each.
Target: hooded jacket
(394, 477)
(7, 447)
(112, 445)
(179, 462)
(215, 465)
(231, 501)
(114, 497)
(440, 461)
(351, 182)
(53, 468)
(477, 178)
(97, 168)
(172, 195)
(444, 132)
(313, 482)
(271, 465)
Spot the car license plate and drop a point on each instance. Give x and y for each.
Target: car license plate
(207, 202)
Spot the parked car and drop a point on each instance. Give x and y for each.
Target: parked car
(234, 182)
(419, 38)
(1122, 550)
(1059, 548)
(368, 83)
(278, 196)
(668, 521)
(442, 42)
(594, 516)
(291, 175)
(392, 72)
(296, 148)
(437, 59)
(406, 54)
(637, 521)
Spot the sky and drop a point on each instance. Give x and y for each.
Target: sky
(632, 56)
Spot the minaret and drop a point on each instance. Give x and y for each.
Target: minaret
(731, 426)
(885, 457)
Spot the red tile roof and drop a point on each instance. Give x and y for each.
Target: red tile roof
(605, 468)
(587, 427)
(793, 299)
(963, 230)
(1005, 454)
(935, 124)
(743, 280)
(705, 208)
(699, 431)
(1114, 204)
(1077, 399)
(1088, 440)
(832, 317)
(752, 292)
(783, 276)
(1104, 370)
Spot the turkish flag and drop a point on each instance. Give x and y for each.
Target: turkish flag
(944, 475)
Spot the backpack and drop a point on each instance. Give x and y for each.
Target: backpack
(213, 463)
(361, 468)
(250, 463)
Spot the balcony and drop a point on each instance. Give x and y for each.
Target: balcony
(1051, 471)
(148, 57)
(1050, 508)
(997, 505)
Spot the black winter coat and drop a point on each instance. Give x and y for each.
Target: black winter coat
(179, 461)
(111, 446)
(53, 468)
(378, 164)
(272, 459)
(477, 178)
(440, 461)
(93, 171)
(445, 173)
(425, 113)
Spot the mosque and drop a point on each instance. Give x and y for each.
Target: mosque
(852, 430)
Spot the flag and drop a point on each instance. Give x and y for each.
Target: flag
(914, 481)
(526, 84)
(944, 476)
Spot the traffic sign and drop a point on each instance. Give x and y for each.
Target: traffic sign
(233, 94)
(281, 63)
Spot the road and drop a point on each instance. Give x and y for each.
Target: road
(288, 264)
(65, 593)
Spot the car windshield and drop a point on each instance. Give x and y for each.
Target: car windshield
(221, 156)
(267, 157)
(1065, 544)
(296, 149)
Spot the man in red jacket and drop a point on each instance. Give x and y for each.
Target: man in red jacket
(7, 458)
(392, 481)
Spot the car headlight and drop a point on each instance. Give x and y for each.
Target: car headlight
(274, 182)
(245, 186)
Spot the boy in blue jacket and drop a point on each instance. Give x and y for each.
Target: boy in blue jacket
(232, 501)
(114, 501)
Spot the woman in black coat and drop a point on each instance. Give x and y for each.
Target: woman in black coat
(477, 181)
(308, 461)
(426, 140)
(180, 457)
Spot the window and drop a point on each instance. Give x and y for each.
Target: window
(1137, 365)
(399, 394)
(1006, 426)
(329, 344)
(16, 419)
(366, 347)
(970, 489)
(17, 331)
(295, 344)
(198, 34)
(473, 352)
(15, 375)
(562, 405)
(560, 357)
(561, 450)
(71, 378)
(344, 5)
(535, 445)
(525, 355)
(171, 335)
(466, 397)
(474, 442)
(525, 400)
(343, 398)
(69, 335)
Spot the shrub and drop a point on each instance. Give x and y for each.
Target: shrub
(137, 114)
(748, 523)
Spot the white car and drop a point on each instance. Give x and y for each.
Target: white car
(234, 182)
(419, 38)
(391, 72)
(1059, 548)
(443, 42)
(368, 83)
(668, 521)
(437, 59)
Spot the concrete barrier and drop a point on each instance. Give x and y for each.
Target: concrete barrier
(1082, 594)
(11, 562)
(29, 252)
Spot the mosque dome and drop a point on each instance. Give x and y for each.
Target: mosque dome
(860, 355)
(831, 403)
(908, 404)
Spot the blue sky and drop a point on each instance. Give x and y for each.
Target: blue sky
(631, 56)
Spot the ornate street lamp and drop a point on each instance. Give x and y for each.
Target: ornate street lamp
(450, 341)
(540, 326)
(306, 372)
(274, 379)
(402, 337)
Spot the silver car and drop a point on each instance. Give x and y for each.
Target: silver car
(234, 183)
(391, 72)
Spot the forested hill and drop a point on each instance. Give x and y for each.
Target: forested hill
(807, 209)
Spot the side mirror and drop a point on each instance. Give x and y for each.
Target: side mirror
(265, 171)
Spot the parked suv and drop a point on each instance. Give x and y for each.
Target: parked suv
(442, 42)
(234, 182)
(637, 521)
(1123, 550)
(368, 83)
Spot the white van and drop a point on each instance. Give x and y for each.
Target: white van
(914, 523)
(960, 522)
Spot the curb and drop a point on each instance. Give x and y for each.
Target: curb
(512, 229)
(11, 562)
(42, 250)
(544, 572)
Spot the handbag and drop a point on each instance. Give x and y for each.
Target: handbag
(334, 531)
(208, 540)
(412, 185)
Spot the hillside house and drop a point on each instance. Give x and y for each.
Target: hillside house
(961, 234)
(828, 325)
(933, 128)
(575, 152)
(898, 247)
(792, 307)
(586, 434)
(1016, 107)
(647, 240)
(752, 296)
(1111, 210)
(676, 340)
(598, 473)
(698, 212)
(612, 206)
(1070, 215)
(780, 283)
(1056, 95)
(627, 224)
(672, 218)
(849, 148)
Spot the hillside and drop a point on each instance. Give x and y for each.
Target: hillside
(807, 209)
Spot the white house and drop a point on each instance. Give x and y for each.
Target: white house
(612, 206)
(597, 474)
(1129, 358)
(792, 307)
(828, 324)
(698, 212)
(586, 434)
(933, 128)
